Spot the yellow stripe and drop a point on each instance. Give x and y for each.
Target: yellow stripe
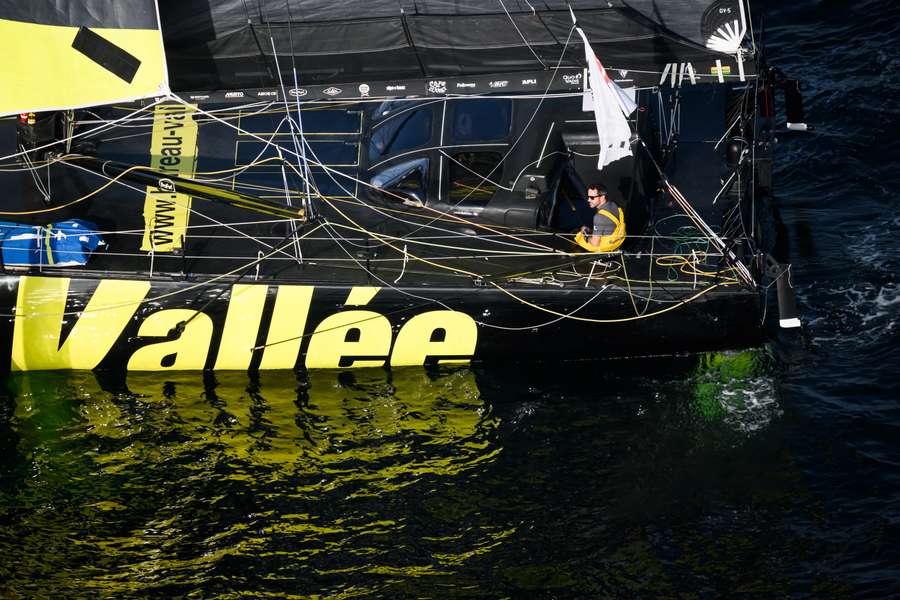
(47, 244)
(40, 70)
(606, 213)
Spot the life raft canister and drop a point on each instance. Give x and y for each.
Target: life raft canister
(610, 242)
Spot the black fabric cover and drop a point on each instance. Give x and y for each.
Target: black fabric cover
(118, 14)
(221, 44)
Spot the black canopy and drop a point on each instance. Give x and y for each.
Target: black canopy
(227, 44)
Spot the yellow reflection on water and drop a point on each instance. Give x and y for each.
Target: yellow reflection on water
(330, 423)
(158, 469)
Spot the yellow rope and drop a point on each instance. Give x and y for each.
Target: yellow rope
(76, 200)
(688, 267)
(621, 320)
(452, 217)
(451, 247)
(390, 245)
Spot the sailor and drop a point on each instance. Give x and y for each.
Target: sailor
(606, 218)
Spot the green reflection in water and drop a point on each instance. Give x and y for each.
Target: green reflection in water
(175, 482)
(737, 388)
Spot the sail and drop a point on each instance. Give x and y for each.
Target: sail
(234, 44)
(60, 54)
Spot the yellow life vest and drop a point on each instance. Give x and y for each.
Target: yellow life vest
(610, 242)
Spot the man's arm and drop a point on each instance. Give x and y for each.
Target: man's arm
(595, 234)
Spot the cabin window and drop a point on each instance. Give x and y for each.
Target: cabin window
(472, 177)
(482, 120)
(403, 131)
(404, 182)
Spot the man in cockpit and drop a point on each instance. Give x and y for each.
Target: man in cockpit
(606, 214)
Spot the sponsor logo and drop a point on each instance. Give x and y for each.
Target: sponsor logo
(300, 331)
(465, 84)
(234, 94)
(332, 91)
(298, 92)
(623, 73)
(267, 93)
(499, 84)
(364, 90)
(173, 151)
(437, 87)
(529, 82)
(726, 70)
(396, 88)
(200, 97)
(572, 79)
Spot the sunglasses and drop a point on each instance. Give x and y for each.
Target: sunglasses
(597, 196)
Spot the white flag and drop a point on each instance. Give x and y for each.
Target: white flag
(611, 107)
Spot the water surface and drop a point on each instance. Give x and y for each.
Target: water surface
(766, 473)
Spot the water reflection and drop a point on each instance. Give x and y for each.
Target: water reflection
(409, 483)
(737, 388)
(177, 480)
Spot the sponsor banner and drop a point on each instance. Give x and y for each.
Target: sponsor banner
(566, 79)
(242, 96)
(173, 149)
(532, 82)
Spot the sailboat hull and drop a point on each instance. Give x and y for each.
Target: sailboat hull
(56, 322)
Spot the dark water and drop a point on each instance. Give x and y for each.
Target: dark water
(768, 473)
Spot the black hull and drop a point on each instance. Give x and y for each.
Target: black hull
(55, 322)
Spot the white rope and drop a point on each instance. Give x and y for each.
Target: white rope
(405, 260)
(521, 35)
(84, 133)
(191, 209)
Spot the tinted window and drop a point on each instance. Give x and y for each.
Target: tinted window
(482, 120)
(471, 174)
(388, 108)
(401, 132)
(411, 186)
(404, 182)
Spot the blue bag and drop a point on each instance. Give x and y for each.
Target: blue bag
(63, 244)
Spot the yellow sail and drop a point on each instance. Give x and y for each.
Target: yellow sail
(60, 54)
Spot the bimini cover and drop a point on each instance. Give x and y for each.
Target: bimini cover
(59, 54)
(232, 44)
(64, 244)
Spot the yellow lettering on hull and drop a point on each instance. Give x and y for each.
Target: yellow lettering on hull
(350, 338)
(245, 311)
(435, 334)
(40, 313)
(361, 295)
(350, 334)
(286, 329)
(186, 353)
